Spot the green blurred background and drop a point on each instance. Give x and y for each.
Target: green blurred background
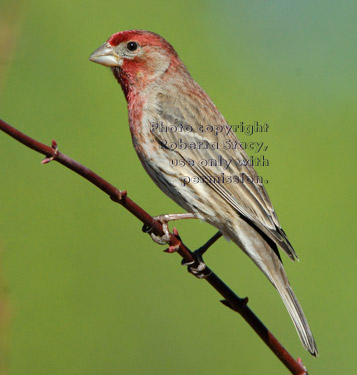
(83, 290)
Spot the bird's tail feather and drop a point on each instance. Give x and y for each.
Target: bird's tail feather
(268, 261)
(297, 315)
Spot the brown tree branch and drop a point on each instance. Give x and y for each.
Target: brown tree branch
(192, 259)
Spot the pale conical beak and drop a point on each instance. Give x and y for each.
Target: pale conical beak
(105, 55)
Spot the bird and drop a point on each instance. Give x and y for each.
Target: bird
(170, 120)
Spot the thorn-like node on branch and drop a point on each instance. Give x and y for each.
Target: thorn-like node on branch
(299, 361)
(119, 196)
(122, 194)
(172, 249)
(242, 302)
(226, 303)
(53, 157)
(176, 233)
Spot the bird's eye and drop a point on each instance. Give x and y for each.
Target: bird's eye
(132, 46)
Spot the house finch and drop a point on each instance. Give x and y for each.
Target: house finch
(181, 140)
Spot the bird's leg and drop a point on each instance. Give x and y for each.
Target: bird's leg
(200, 251)
(164, 219)
(198, 267)
(173, 217)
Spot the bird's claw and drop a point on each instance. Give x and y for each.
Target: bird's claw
(164, 219)
(165, 238)
(161, 240)
(198, 270)
(197, 267)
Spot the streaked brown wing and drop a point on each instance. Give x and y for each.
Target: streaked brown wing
(249, 199)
